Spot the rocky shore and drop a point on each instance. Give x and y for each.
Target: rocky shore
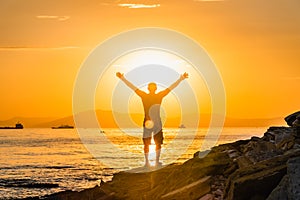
(254, 169)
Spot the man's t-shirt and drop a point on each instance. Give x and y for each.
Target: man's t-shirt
(151, 103)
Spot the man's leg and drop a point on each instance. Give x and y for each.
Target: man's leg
(158, 138)
(146, 153)
(147, 134)
(158, 149)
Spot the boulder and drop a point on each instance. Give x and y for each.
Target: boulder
(259, 150)
(282, 137)
(280, 192)
(287, 143)
(293, 171)
(297, 133)
(291, 118)
(254, 183)
(260, 178)
(277, 134)
(288, 188)
(243, 161)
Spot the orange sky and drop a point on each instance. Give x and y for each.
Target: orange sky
(254, 43)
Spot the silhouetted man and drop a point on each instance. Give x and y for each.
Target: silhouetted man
(152, 122)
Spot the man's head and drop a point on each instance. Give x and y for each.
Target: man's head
(152, 87)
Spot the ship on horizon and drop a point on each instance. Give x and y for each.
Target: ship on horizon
(182, 126)
(17, 126)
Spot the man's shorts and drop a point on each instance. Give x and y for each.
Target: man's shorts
(156, 131)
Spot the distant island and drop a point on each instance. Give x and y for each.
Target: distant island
(62, 127)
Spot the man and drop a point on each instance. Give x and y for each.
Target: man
(152, 122)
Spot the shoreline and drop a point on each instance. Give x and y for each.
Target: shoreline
(229, 171)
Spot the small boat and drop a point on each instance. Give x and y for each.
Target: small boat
(62, 127)
(182, 126)
(18, 126)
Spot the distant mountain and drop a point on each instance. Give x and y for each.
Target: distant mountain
(105, 117)
(233, 122)
(108, 119)
(57, 122)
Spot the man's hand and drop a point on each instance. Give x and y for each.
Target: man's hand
(119, 75)
(129, 84)
(181, 78)
(184, 76)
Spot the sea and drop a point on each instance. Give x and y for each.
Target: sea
(37, 162)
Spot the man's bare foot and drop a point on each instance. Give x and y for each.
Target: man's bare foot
(158, 164)
(147, 165)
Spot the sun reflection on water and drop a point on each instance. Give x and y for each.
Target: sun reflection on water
(152, 154)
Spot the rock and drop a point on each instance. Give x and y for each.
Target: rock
(288, 188)
(194, 190)
(277, 134)
(297, 145)
(291, 118)
(283, 137)
(258, 146)
(296, 123)
(283, 134)
(293, 171)
(201, 154)
(259, 150)
(260, 183)
(95, 193)
(260, 178)
(232, 168)
(287, 143)
(269, 136)
(207, 197)
(233, 154)
(297, 132)
(255, 138)
(280, 192)
(219, 192)
(217, 188)
(170, 182)
(243, 161)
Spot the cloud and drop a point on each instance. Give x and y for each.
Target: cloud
(208, 0)
(291, 78)
(24, 48)
(136, 6)
(53, 17)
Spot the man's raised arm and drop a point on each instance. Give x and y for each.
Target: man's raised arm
(181, 78)
(129, 84)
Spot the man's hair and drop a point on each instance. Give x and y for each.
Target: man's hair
(152, 83)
